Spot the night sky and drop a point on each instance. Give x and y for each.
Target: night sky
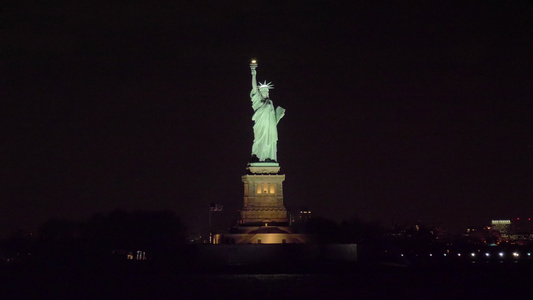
(397, 111)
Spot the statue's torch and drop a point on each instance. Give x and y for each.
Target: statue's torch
(253, 64)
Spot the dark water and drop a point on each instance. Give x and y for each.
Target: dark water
(490, 281)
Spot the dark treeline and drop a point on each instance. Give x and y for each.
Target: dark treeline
(356, 231)
(378, 242)
(116, 235)
(418, 242)
(353, 231)
(161, 237)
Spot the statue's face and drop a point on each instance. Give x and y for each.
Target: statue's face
(264, 92)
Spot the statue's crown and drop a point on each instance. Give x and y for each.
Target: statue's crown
(266, 85)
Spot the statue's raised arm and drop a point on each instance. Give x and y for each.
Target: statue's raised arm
(266, 119)
(254, 82)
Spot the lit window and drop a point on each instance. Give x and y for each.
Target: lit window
(272, 189)
(141, 255)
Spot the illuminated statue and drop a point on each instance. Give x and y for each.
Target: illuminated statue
(266, 119)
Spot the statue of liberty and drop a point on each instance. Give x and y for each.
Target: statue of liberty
(265, 119)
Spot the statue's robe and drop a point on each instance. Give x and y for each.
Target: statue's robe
(266, 119)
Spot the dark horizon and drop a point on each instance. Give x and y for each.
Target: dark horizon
(395, 112)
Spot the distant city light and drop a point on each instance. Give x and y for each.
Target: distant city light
(487, 254)
(473, 254)
(501, 254)
(501, 222)
(515, 254)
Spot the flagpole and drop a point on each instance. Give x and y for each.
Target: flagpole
(210, 234)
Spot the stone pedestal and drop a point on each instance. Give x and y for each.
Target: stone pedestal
(263, 195)
(264, 218)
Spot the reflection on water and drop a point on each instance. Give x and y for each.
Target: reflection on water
(269, 286)
(492, 281)
(270, 277)
(462, 281)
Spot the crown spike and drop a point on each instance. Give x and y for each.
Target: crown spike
(266, 85)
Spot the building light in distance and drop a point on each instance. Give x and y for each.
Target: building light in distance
(501, 222)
